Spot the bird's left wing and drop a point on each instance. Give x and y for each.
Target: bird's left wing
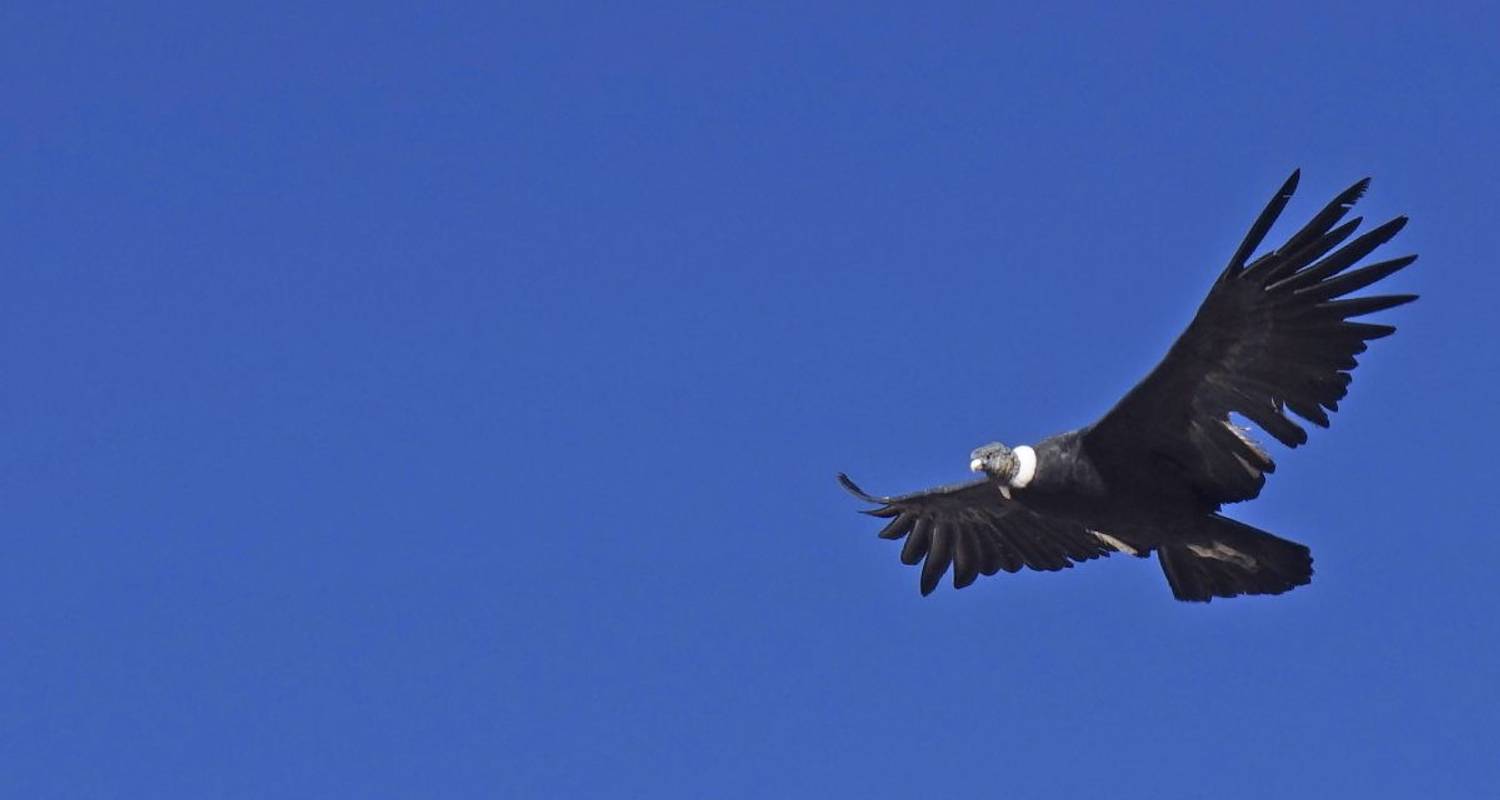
(1274, 336)
(975, 529)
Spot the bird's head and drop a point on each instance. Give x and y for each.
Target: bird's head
(995, 460)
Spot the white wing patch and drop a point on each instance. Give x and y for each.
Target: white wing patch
(1223, 552)
(1243, 434)
(1115, 543)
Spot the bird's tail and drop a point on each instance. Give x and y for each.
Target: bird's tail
(1223, 558)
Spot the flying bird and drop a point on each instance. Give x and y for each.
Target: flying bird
(1275, 334)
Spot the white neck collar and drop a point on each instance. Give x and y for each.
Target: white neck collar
(1025, 466)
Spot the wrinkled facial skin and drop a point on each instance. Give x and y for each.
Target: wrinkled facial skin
(995, 460)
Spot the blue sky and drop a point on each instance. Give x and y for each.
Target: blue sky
(447, 402)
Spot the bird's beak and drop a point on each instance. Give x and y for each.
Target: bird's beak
(976, 465)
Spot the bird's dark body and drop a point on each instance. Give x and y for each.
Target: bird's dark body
(1274, 335)
(1103, 495)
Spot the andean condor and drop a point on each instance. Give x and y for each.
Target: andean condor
(1150, 476)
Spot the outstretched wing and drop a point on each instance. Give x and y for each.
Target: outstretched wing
(974, 528)
(1272, 336)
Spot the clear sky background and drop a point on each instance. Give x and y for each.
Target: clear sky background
(446, 401)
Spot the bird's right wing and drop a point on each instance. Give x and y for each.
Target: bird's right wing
(973, 527)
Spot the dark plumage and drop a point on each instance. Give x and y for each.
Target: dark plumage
(1274, 335)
